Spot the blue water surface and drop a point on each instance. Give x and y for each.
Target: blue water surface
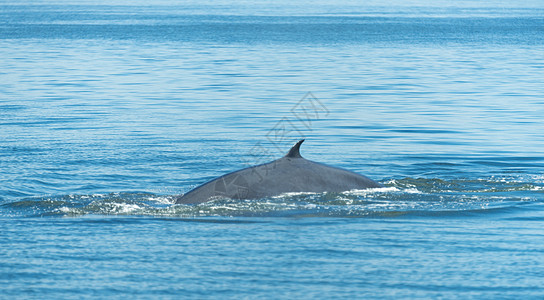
(109, 110)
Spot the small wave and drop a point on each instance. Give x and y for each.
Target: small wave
(482, 185)
(398, 197)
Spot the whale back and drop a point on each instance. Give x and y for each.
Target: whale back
(291, 173)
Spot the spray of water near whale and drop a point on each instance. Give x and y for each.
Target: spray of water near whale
(291, 173)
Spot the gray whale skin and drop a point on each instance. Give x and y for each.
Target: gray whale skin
(291, 173)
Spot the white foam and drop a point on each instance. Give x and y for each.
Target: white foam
(412, 191)
(293, 194)
(124, 208)
(161, 199)
(64, 209)
(371, 191)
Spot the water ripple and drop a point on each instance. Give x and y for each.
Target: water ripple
(399, 197)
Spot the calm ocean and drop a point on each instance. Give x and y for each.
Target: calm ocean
(109, 110)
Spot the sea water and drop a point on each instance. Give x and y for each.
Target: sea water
(109, 110)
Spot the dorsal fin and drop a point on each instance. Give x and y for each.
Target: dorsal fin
(295, 150)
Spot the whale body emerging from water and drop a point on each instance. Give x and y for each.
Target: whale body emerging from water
(291, 173)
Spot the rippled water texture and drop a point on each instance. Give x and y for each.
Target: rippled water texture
(109, 111)
(400, 197)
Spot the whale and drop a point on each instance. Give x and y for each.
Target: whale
(290, 174)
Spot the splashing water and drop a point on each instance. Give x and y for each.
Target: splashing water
(400, 196)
